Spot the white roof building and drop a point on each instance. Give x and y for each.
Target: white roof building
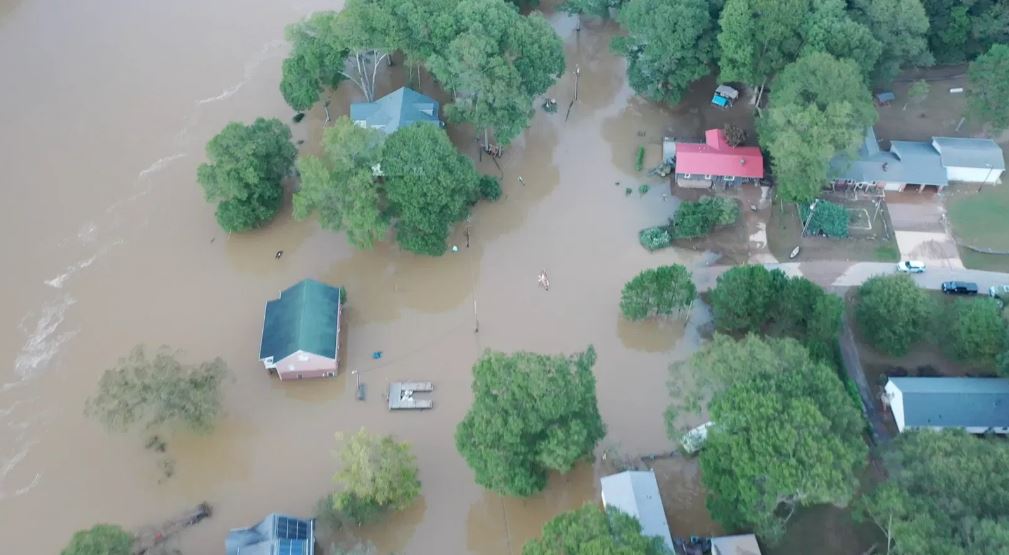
(637, 494)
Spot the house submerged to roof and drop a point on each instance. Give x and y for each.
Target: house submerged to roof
(934, 163)
(637, 494)
(394, 110)
(701, 165)
(977, 405)
(277, 534)
(301, 331)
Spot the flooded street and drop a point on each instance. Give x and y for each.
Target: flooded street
(107, 108)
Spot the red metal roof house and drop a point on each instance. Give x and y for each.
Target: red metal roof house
(701, 165)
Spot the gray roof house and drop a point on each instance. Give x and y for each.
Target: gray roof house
(977, 405)
(637, 494)
(394, 110)
(935, 163)
(301, 331)
(277, 534)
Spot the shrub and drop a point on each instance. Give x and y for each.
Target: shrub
(657, 292)
(828, 219)
(655, 238)
(643, 188)
(734, 135)
(974, 330)
(696, 219)
(489, 187)
(639, 159)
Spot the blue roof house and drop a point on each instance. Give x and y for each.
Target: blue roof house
(976, 405)
(301, 331)
(277, 534)
(394, 110)
(637, 494)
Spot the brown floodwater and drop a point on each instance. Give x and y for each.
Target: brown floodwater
(105, 113)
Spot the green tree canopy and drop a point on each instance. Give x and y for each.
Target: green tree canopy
(531, 413)
(935, 501)
(902, 27)
(341, 184)
(663, 60)
(988, 92)
(699, 218)
(754, 299)
(974, 330)
(598, 8)
(496, 61)
(819, 106)
(830, 29)
(657, 292)
(245, 168)
(892, 313)
(961, 31)
(429, 187)
(759, 38)
(785, 434)
(101, 539)
(158, 390)
(377, 474)
(317, 58)
(413, 180)
(592, 531)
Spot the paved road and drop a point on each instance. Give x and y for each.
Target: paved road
(859, 272)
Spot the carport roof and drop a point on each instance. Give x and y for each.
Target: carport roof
(920, 163)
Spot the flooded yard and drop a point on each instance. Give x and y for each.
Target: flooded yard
(115, 246)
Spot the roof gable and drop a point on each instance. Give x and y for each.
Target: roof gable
(304, 318)
(954, 402)
(276, 534)
(397, 109)
(716, 157)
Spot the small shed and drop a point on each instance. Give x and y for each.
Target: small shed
(277, 534)
(301, 331)
(884, 98)
(637, 494)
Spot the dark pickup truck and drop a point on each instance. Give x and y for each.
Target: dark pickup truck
(959, 288)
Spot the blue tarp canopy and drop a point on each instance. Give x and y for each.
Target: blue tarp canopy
(885, 97)
(720, 101)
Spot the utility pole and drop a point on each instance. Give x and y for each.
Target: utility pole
(812, 208)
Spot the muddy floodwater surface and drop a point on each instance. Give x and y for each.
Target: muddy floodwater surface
(105, 114)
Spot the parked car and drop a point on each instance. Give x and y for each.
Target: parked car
(911, 266)
(959, 288)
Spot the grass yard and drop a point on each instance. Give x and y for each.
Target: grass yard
(981, 220)
(784, 229)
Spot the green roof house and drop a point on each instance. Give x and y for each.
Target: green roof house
(301, 331)
(394, 110)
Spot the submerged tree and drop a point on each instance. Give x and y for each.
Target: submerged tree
(988, 95)
(662, 61)
(531, 413)
(590, 530)
(932, 502)
(785, 434)
(598, 8)
(657, 292)
(100, 539)
(318, 56)
(247, 164)
(496, 62)
(820, 106)
(158, 391)
(377, 474)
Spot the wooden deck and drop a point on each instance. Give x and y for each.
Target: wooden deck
(402, 395)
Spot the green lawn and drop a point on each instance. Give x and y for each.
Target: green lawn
(982, 219)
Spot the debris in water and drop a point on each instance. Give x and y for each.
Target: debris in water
(278, 255)
(522, 181)
(455, 248)
(542, 280)
(628, 191)
(298, 117)
(376, 355)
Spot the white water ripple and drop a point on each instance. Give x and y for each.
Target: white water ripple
(250, 68)
(45, 339)
(160, 164)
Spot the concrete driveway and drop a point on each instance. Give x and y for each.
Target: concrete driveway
(919, 224)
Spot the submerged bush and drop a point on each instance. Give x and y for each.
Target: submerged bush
(655, 238)
(696, 219)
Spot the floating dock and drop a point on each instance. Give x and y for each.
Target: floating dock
(402, 395)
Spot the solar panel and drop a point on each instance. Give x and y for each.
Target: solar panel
(291, 528)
